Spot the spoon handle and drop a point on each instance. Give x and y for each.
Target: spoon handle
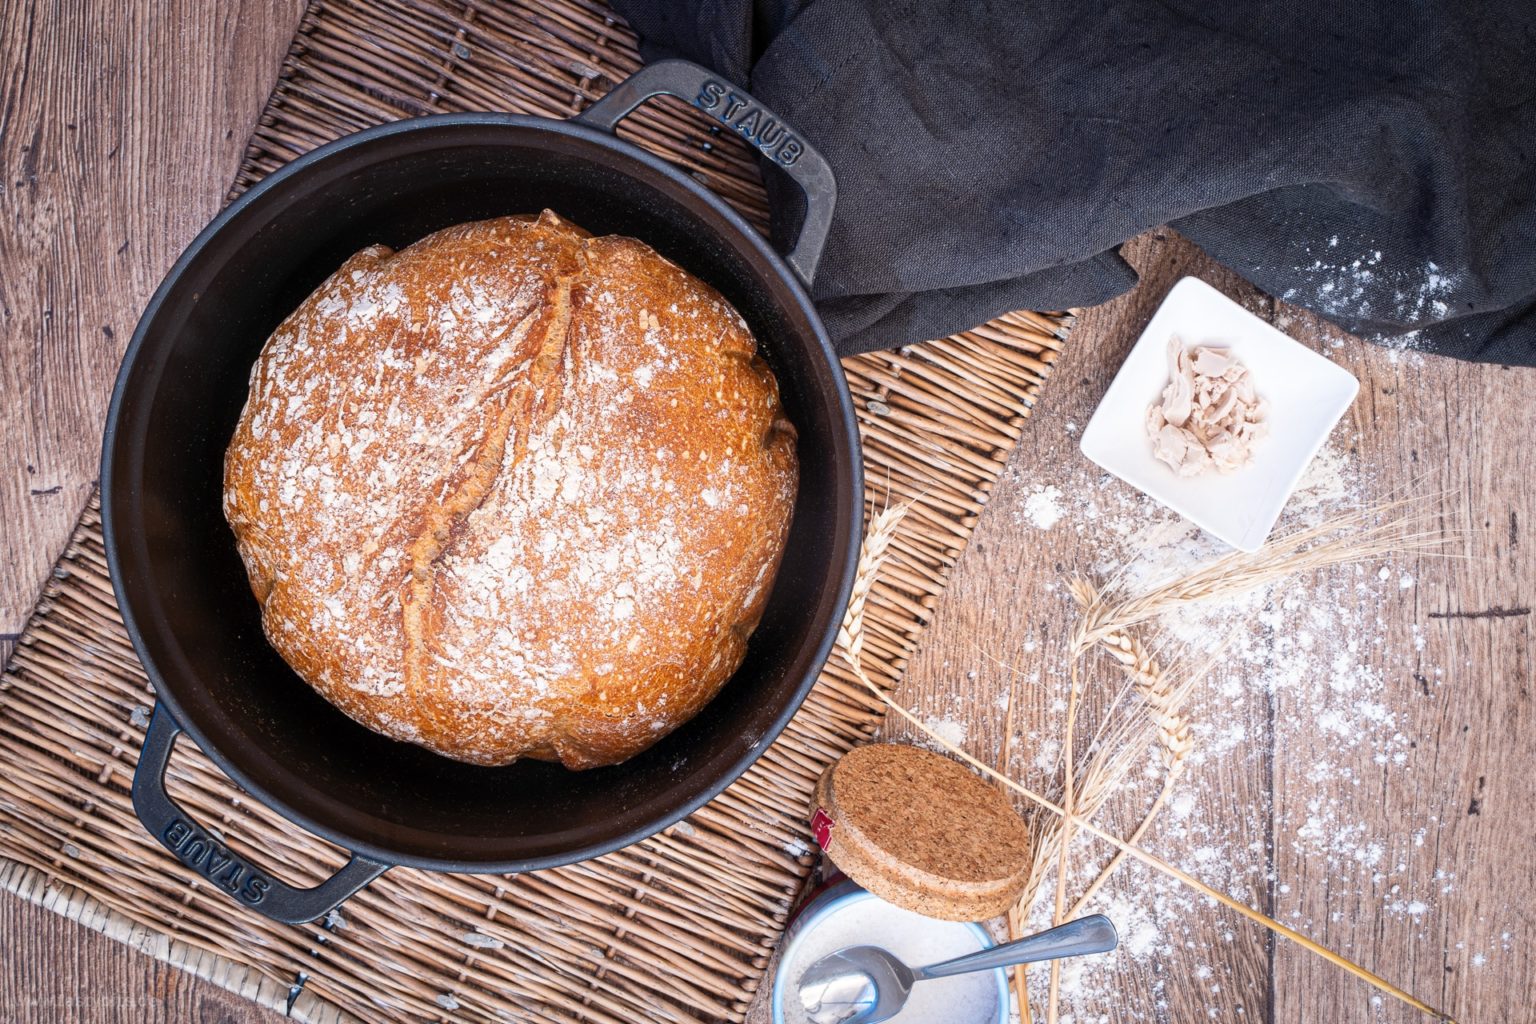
(1094, 934)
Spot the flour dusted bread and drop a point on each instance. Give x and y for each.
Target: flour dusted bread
(513, 491)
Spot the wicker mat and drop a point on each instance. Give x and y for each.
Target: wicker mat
(677, 928)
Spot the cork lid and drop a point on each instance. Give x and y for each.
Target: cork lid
(922, 832)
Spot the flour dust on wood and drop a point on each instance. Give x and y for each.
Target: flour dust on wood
(1311, 675)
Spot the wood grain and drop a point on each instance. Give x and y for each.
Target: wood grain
(121, 126)
(999, 618)
(1425, 425)
(55, 971)
(1466, 788)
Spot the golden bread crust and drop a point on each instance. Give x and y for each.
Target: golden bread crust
(513, 491)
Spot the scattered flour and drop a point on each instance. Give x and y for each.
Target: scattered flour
(1043, 507)
(950, 730)
(1312, 670)
(1364, 289)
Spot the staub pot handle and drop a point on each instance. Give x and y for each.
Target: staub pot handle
(196, 848)
(755, 123)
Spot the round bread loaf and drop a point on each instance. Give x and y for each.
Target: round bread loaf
(513, 491)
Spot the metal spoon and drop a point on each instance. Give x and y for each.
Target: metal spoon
(867, 984)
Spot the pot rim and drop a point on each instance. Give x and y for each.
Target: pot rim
(622, 150)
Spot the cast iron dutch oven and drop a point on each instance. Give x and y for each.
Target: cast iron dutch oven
(182, 589)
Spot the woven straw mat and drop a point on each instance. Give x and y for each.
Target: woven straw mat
(677, 928)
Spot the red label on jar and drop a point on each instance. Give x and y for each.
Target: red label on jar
(821, 827)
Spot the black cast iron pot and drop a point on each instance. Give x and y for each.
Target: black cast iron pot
(182, 589)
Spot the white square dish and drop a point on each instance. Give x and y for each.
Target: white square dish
(1307, 394)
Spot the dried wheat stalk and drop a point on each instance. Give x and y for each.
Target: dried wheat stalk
(1063, 845)
(1015, 921)
(1163, 701)
(872, 555)
(1163, 695)
(1106, 623)
(1354, 536)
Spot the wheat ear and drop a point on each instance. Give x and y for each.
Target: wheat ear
(850, 647)
(1015, 919)
(1064, 846)
(873, 553)
(1366, 533)
(1164, 699)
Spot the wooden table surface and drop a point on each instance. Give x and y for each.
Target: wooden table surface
(121, 125)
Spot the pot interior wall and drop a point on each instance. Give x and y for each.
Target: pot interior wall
(185, 590)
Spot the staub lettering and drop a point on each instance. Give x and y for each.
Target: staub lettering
(755, 124)
(199, 851)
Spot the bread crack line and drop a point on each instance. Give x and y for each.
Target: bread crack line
(535, 397)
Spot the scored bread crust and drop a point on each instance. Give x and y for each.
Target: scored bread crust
(513, 491)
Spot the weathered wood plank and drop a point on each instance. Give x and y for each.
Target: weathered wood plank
(58, 972)
(1006, 603)
(121, 126)
(1445, 911)
(119, 131)
(1441, 911)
